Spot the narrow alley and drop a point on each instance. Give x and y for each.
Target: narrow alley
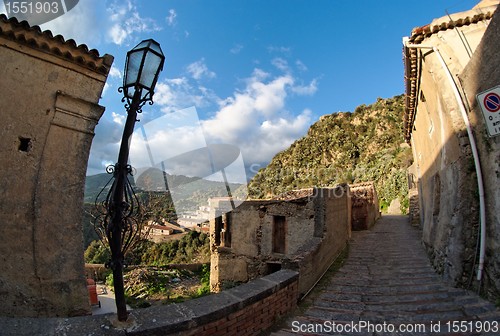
(388, 287)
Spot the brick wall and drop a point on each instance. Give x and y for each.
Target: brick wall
(248, 309)
(254, 318)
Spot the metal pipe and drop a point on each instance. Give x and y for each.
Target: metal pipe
(475, 154)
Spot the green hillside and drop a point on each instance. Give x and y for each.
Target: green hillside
(345, 147)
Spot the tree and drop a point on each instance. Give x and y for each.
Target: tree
(97, 253)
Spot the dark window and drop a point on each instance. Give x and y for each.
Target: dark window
(218, 228)
(279, 234)
(24, 144)
(272, 267)
(227, 229)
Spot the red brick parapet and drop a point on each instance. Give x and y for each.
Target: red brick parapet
(248, 309)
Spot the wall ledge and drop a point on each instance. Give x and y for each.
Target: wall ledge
(158, 320)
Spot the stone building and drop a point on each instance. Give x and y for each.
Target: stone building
(456, 161)
(365, 207)
(303, 230)
(49, 90)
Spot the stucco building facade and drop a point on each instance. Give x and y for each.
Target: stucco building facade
(49, 89)
(455, 175)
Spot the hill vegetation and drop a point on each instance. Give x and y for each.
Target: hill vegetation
(152, 281)
(345, 147)
(191, 248)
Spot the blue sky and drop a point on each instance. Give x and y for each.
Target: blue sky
(258, 72)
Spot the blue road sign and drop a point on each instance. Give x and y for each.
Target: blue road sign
(492, 102)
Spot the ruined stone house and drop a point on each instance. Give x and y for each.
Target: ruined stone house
(454, 180)
(303, 230)
(365, 208)
(49, 89)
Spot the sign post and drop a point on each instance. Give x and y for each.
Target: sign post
(489, 102)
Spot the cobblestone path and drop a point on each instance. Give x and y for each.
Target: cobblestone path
(388, 287)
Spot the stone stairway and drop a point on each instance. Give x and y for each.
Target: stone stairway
(388, 287)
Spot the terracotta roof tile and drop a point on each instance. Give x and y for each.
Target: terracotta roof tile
(33, 37)
(420, 33)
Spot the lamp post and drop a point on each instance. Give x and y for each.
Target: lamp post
(117, 224)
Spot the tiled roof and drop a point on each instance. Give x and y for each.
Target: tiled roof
(362, 185)
(294, 194)
(33, 37)
(418, 34)
(410, 55)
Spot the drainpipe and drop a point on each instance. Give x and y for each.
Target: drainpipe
(475, 155)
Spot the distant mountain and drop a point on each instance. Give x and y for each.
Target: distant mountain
(152, 179)
(94, 184)
(366, 145)
(185, 195)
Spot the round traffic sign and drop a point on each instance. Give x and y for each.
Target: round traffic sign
(492, 102)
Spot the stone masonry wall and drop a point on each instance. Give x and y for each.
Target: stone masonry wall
(483, 73)
(365, 207)
(251, 235)
(318, 226)
(49, 110)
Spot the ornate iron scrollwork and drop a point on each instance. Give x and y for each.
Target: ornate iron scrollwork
(130, 227)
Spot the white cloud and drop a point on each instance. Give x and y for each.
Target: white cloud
(117, 34)
(279, 49)
(105, 88)
(178, 93)
(256, 120)
(236, 49)
(281, 64)
(299, 89)
(270, 97)
(125, 21)
(169, 136)
(84, 23)
(118, 118)
(199, 70)
(114, 72)
(104, 146)
(301, 66)
(171, 18)
(276, 135)
(113, 79)
(306, 90)
(259, 75)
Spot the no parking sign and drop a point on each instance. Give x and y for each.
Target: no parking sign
(489, 102)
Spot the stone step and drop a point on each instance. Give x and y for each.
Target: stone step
(387, 278)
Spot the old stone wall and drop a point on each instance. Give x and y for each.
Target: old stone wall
(49, 111)
(333, 207)
(447, 184)
(303, 233)
(414, 206)
(251, 253)
(365, 207)
(483, 73)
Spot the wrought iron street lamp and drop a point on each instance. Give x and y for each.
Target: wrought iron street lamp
(117, 224)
